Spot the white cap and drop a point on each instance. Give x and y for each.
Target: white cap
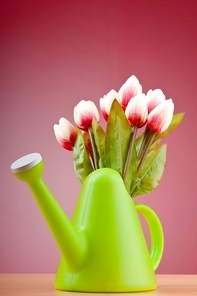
(26, 162)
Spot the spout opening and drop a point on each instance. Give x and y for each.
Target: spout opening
(26, 162)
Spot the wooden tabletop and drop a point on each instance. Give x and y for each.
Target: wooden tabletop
(43, 285)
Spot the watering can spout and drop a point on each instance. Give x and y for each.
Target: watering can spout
(70, 241)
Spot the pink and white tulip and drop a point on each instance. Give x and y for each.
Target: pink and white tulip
(84, 113)
(106, 103)
(160, 117)
(154, 98)
(128, 90)
(136, 111)
(65, 134)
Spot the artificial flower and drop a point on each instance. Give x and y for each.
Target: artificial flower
(160, 117)
(106, 102)
(136, 111)
(154, 98)
(128, 90)
(65, 133)
(84, 113)
(137, 157)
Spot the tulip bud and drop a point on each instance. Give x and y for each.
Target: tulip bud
(128, 90)
(106, 103)
(65, 134)
(84, 113)
(160, 117)
(137, 111)
(154, 98)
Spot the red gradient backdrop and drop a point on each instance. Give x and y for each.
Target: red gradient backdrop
(55, 53)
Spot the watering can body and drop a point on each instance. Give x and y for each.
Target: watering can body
(103, 247)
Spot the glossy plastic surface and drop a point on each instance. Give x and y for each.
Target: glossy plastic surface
(103, 248)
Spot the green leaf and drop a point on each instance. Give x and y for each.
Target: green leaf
(99, 138)
(132, 172)
(151, 172)
(176, 120)
(142, 139)
(155, 145)
(82, 165)
(118, 133)
(138, 142)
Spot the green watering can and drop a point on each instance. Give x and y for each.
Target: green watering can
(103, 247)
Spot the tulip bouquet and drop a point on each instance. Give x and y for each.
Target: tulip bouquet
(137, 156)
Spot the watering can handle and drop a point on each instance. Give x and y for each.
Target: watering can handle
(156, 233)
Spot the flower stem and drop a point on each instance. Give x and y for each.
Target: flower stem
(145, 152)
(91, 162)
(144, 140)
(130, 151)
(93, 149)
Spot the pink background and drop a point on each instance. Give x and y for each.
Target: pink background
(55, 53)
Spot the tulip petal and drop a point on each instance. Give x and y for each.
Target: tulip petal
(154, 98)
(160, 117)
(65, 133)
(106, 103)
(137, 111)
(128, 90)
(84, 113)
(102, 107)
(65, 144)
(66, 127)
(68, 131)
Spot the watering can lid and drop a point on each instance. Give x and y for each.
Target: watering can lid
(26, 162)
